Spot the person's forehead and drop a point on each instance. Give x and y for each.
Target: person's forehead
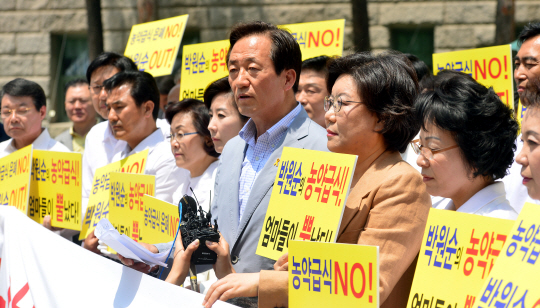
(530, 47)
(252, 47)
(79, 89)
(103, 73)
(310, 76)
(15, 101)
(120, 94)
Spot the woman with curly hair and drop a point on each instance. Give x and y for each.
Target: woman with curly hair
(466, 144)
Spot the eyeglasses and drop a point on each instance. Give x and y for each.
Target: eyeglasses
(427, 152)
(179, 136)
(96, 88)
(22, 111)
(336, 102)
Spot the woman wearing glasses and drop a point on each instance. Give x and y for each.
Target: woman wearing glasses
(369, 114)
(466, 144)
(193, 148)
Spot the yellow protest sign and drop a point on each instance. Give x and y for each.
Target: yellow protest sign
(333, 275)
(490, 66)
(15, 172)
(307, 201)
(153, 46)
(202, 64)
(98, 202)
(126, 206)
(55, 188)
(457, 253)
(319, 38)
(513, 281)
(160, 220)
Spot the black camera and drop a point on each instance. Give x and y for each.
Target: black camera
(193, 226)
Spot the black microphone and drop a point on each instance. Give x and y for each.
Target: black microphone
(187, 205)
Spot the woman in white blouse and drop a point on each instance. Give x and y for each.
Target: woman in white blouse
(466, 144)
(193, 149)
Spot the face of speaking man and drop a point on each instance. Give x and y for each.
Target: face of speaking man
(527, 63)
(258, 91)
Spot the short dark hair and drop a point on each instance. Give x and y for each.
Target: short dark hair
(285, 52)
(165, 84)
(482, 125)
(221, 86)
(121, 62)
(23, 87)
(75, 83)
(317, 64)
(423, 73)
(199, 115)
(143, 87)
(388, 87)
(532, 29)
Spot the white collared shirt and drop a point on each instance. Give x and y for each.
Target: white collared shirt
(42, 142)
(203, 187)
(100, 147)
(160, 163)
(490, 201)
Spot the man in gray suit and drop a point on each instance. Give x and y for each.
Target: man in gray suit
(264, 68)
(81, 112)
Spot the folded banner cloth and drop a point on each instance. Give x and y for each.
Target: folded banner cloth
(41, 269)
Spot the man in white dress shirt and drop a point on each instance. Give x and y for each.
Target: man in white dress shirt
(133, 103)
(23, 110)
(100, 139)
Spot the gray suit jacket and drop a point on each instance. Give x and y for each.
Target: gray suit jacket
(243, 238)
(66, 139)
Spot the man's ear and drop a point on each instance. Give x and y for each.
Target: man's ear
(290, 78)
(148, 108)
(43, 112)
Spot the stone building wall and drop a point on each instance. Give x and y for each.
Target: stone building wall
(26, 26)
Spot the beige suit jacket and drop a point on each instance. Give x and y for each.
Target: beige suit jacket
(388, 207)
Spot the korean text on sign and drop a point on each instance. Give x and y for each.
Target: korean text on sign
(319, 38)
(98, 203)
(490, 66)
(153, 46)
(55, 188)
(333, 275)
(513, 281)
(15, 172)
(307, 200)
(460, 250)
(202, 64)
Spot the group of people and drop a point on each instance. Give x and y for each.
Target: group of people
(223, 149)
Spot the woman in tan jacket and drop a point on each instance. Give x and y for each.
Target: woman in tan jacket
(369, 114)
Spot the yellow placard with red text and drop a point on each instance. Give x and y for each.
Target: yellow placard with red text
(457, 253)
(55, 188)
(318, 38)
(202, 64)
(520, 113)
(513, 281)
(15, 170)
(98, 202)
(126, 206)
(333, 275)
(205, 63)
(490, 66)
(154, 45)
(160, 220)
(307, 201)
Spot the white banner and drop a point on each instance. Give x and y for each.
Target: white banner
(41, 269)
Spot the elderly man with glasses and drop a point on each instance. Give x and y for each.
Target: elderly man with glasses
(23, 110)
